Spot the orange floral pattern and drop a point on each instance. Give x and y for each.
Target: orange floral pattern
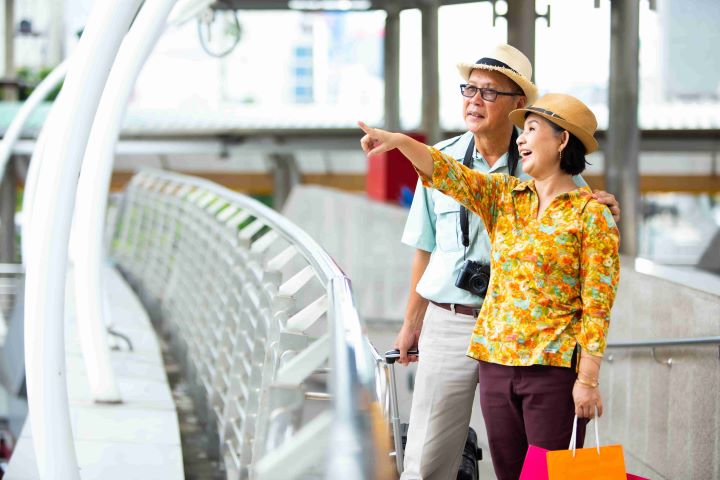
(553, 279)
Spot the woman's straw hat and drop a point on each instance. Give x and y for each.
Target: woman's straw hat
(510, 62)
(566, 112)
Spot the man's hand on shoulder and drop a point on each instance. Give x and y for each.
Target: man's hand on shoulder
(407, 339)
(608, 199)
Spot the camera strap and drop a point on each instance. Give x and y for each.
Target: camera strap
(513, 157)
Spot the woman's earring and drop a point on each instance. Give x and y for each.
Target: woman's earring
(561, 155)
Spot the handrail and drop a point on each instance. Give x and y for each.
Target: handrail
(670, 342)
(664, 343)
(348, 351)
(316, 256)
(351, 451)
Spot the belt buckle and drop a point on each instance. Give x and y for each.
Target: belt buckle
(452, 308)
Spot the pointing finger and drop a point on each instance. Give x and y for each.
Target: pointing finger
(364, 127)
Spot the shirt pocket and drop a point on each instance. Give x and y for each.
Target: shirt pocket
(448, 233)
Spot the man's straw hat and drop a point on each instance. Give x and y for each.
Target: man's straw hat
(510, 62)
(565, 111)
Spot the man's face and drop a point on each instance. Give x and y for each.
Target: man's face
(482, 116)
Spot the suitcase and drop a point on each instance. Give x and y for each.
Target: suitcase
(472, 454)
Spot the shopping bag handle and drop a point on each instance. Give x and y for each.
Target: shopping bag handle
(573, 438)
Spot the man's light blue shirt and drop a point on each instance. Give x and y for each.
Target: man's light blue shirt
(433, 225)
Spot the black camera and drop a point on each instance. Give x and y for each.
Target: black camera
(474, 277)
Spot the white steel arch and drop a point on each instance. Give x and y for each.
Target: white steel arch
(87, 235)
(67, 129)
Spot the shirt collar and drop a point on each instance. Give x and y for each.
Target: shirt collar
(499, 164)
(530, 185)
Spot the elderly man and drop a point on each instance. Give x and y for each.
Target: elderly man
(446, 293)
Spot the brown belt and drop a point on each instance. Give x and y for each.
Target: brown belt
(457, 308)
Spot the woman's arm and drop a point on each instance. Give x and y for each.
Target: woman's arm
(599, 274)
(478, 192)
(377, 141)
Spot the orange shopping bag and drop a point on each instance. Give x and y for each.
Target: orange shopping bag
(599, 463)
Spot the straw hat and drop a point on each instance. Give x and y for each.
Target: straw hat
(565, 111)
(510, 62)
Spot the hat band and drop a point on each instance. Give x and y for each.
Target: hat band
(495, 63)
(546, 112)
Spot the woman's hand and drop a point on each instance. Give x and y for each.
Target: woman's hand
(586, 400)
(376, 141)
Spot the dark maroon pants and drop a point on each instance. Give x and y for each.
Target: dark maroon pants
(525, 406)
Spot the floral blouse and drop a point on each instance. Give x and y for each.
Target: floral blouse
(553, 279)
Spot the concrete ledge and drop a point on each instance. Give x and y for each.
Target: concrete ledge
(666, 417)
(694, 278)
(138, 439)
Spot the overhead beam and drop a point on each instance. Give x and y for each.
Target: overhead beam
(666, 141)
(254, 183)
(283, 4)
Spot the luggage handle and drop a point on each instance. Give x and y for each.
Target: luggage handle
(392, 356)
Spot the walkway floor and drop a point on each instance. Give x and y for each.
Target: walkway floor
(138, 439)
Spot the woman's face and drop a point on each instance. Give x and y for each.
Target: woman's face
(539, 146)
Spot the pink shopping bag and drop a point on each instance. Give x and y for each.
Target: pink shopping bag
(535, 465)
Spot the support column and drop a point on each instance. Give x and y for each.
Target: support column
(521, 27)
(56, 33)
(286, 175)
(430, 73)
(8, 196)
(391, 68)
(9, 93)
(623, 137)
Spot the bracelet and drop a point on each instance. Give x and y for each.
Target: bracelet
(588, 377)
(587, 384)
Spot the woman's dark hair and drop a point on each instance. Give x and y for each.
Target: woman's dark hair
(573, 155)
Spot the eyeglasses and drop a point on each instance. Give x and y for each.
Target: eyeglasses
(487, 94)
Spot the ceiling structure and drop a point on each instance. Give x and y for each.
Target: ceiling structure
(338, 4)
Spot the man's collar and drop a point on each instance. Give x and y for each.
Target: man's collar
(499, 163)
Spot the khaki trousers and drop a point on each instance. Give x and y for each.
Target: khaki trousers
(443, 397)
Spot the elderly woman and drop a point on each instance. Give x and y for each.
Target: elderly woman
(540, 335)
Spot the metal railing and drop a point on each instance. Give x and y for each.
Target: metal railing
(258, 311)
(664, 343)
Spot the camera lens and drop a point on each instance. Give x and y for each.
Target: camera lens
(479, 283)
